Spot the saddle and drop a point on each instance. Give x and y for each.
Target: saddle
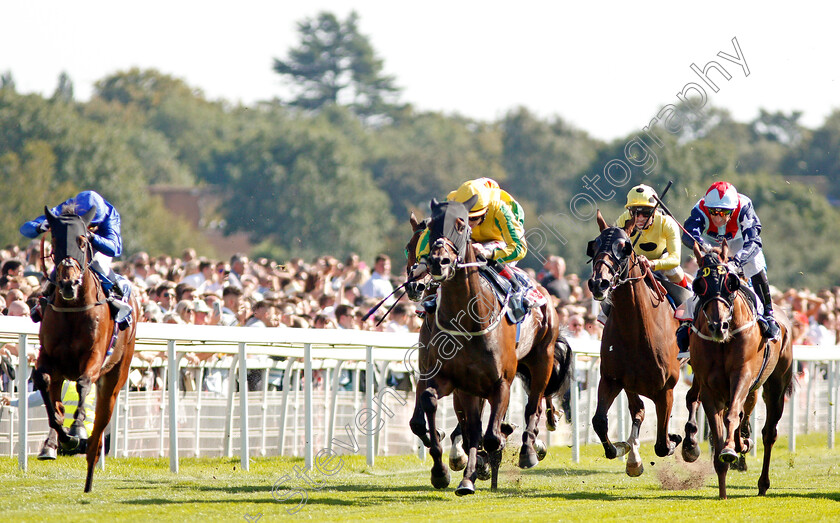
(519, 302)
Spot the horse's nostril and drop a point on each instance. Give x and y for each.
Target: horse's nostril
(724, 325)
(589, 284)
(603, 285)
(445, 262)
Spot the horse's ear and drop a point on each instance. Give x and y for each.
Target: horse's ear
(602, 223)
(48, 213)
(434, 204)
(724, 249)
(629, 225)
(469, 203)
(88, 217)
(413, 221)
(698, 254)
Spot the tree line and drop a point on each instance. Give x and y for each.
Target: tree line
(337, 167)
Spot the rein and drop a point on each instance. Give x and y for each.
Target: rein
(79, 281)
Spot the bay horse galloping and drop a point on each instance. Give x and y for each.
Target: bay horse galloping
(731, 360)
(638, 347)
(469, 347)
(76, 338)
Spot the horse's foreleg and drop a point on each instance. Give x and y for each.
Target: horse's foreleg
(500, 397)
(440, 473)
(418, 418)
(107, 389)
(690, 448)
(665, 442)
(734, 417)
(50, 390)
(608, 390)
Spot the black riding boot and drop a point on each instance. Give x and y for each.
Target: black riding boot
(682, 336)
(37, 312)
(770, 328)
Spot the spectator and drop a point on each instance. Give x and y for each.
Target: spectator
(379, 285)
(554, 278)
(263, 315)
(232, 306)
(186, 310)
(201, 312)
(344, 317)
(237, 270)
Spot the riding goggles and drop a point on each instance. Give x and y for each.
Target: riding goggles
(641, 211)
(723, 213)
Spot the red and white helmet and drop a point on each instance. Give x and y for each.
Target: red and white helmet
(721, 195)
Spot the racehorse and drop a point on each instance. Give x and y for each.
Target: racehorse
(731, 360)
(469, 347)
(76, 338)
(638, 346)
(417, 283)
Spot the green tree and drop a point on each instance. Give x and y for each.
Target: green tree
(336, 64)
(64, 89)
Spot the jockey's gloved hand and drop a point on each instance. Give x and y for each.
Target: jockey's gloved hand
(738, 261)
(705, 247)
(482, 251)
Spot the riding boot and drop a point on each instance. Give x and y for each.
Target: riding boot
(518, 289)
(770, 328)
(118, 300)
(682, 336)
(37, 312)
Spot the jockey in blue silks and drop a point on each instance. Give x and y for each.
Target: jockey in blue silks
(724, 213)
(106, 242)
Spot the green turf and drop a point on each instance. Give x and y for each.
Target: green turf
(804, 487)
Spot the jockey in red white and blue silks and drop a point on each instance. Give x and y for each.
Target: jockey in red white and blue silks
(106, 241)
(721, 214)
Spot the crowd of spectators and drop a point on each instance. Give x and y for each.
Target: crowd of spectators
(327, 293)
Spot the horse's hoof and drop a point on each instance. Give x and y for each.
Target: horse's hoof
(77, 430)
(71, 444)
(482, 467)
(492, 443)
(466, 487)
(551, 421)
(634, 471)
(539, 446)
(441, 481)
(690, 453)
(728, 456)
(527, 458)
(457, 461)
(746, 445)
(740, 465)
(441, 434)
(621, 448)
(48, 453)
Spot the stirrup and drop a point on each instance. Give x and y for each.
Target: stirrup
(35, 313)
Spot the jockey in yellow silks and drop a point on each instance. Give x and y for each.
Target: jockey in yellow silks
(660, 245)
(497, 223)
(495, 217)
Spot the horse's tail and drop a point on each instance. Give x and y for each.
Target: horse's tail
(558, 380)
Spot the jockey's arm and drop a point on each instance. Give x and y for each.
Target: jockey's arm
(695, 225)
(107, 239)
(671, 256)
(513, 234)
(751, 232)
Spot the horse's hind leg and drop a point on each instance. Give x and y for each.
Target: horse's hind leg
(418, 418)
(774, 399)
(608, 390)
(77, 429)
(528, 457)
(470, 421)
(107, 389)
(494, 439)
(690, 448)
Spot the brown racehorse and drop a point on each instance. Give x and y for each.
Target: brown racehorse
(75, 336)
(468, 346)
(558, 383)
(731, 360)
(638, 347)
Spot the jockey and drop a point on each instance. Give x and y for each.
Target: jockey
(497, 224)
(106, 242)
(659, 247)
(725, 214)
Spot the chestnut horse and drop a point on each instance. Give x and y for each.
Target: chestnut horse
(469, 347)
(731, 360)
(76, 334)
(638, 347)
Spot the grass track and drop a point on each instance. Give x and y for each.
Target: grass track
(805, 486)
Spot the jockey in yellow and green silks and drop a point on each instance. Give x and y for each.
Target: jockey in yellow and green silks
(495, 217)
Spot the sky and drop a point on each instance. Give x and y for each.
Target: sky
(604, 67)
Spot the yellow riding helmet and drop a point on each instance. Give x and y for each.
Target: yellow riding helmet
(641, 196)
(482, 187)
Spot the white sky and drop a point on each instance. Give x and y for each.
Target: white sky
(605, 67)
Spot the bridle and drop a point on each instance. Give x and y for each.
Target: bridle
(720, 274)
(619, 267)
(69, 262)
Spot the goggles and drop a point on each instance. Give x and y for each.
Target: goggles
(723, 213)
(641, 211)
